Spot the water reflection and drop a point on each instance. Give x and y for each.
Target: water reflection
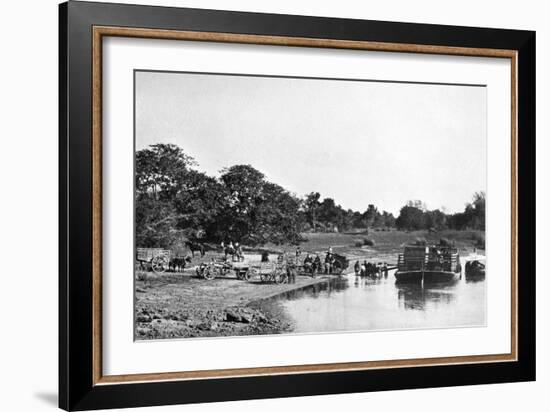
(475, 280)
(416, 296)
(354, 303)
(317, 290)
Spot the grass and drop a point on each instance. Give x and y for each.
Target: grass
(368, 242)
(390, 241)
(479, 239)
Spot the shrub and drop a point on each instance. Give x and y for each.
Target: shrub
(368, 242)
(420, 241)
(446, 242)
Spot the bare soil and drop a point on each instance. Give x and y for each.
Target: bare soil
(180, 305)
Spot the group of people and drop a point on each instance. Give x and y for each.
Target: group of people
(312, 263)
(233, 249)
(371, 269)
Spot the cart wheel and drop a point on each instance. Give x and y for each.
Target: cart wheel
(209, 273)
(158, 264)
(247, 275)
(280, 278)
(337, 268)
(200, 271)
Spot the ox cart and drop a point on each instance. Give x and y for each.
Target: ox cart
(275, 272)
(303, 266)
(156, 259)
(266, 271)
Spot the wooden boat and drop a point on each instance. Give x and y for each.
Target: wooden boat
(428, 264)
(475, 269)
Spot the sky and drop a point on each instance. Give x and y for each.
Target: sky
(358, 142)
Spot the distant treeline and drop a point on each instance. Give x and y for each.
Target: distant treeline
(174, 201)
(415, 216)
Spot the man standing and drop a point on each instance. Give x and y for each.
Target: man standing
(329, 260)
(239, 252)
(308, 264)
(231, 250)
(316, 265)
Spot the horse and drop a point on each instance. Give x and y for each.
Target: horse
(178, 264)
(195, 247)
(235, 254)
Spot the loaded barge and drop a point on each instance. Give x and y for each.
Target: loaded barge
(428, 264)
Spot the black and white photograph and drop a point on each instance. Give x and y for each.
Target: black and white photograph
(292, 205)
(241, 206)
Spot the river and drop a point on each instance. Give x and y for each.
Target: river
(351, 303)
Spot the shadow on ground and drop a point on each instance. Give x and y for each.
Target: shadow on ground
(49, 398)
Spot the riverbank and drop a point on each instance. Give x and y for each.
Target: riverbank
(180, 305)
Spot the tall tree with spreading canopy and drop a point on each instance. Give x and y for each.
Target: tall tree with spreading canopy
(258, 211)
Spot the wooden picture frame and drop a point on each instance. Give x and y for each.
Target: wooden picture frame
(82, 385)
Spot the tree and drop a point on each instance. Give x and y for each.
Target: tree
(478, 215)
(357, 220)
(329, 213)
(199, 202)
(370, 215)
(257, 211)
(418, 204)
(156, 222)
(311, 204)
(389, 219)
(158, 168)
(410, 218)
(435, 219)
(473, 216)
(174, 202)
(276, 217)
(244, 186)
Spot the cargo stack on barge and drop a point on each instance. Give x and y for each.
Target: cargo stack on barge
(428, 264)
